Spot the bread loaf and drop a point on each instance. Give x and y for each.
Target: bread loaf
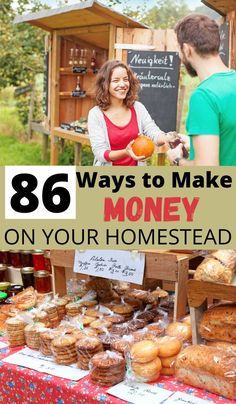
(226, 257)
(219, 323)
(208, 368)
(212, 270)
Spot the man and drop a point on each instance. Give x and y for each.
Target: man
(211, 121)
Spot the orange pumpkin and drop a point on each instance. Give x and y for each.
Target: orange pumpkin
(143, 146)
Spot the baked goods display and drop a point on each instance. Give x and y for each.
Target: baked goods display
(219, 323)
(32, 335)
(86, 348)
(63, 349)
(219, 266)
(107, 368)
(15, 331)
(144, 361)
(180, 330)
(208, 368)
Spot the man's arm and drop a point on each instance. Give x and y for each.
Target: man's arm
(206, 149)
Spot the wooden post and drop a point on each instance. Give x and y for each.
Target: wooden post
(181, 290)
(31, 112)
(112, 38)
(180, 107)
(78, 152)
(55, 95)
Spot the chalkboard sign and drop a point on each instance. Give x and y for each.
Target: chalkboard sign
(224, 43)
(158, 73)
(45, 83)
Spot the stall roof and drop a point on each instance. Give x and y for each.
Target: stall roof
(86, 13)
(221, 6)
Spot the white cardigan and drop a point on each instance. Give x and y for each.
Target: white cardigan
(98, 134)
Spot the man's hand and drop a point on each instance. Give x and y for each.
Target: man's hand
(177, 152)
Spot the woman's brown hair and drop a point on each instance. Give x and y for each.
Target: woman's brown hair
(102, 95)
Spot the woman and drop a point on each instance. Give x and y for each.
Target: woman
(118, 118)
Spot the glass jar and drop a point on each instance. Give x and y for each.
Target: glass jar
(4, 286)
(3, 269)
(47, 262)
(15, 258)
(42, 281)
(14, 290)
(5, 257)
(26, 258)
(38, 260)
(27, 275)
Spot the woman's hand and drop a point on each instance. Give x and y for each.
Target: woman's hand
(177, 152)
(130, 152)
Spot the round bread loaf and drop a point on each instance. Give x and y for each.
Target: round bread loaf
(149, 371)
(180, 330)
(144, 351)
(168, 346)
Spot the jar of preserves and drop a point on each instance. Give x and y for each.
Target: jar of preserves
(38, 260)
(27, 275)
(15, 258)
(26, 258)
(14, 290)
(5, 256)
(42, 281)
(3, 269)
(47, 261)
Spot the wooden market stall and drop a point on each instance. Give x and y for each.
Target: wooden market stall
(78, 34)
(227, 9)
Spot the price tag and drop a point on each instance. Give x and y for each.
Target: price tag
(112, 264)
(36, 192)
(139, 393)
(183, 398)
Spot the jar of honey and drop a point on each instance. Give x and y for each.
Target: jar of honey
(38, 260)
(27, 275)
(42, 281)
(15, 258)
(26, 258)
(5, 256)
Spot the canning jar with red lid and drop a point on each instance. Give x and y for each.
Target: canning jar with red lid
(38, 260)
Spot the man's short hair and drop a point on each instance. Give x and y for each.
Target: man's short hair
(199, 31)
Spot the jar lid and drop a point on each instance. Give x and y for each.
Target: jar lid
(41, 274)
(4, 285)
(15, 288)
(3, 295)
(14, 251)
(3, 267)
(27, 270)
(38, 252)
(11, 267)
(26, 252)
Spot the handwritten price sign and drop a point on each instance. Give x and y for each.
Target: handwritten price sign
(120, 265)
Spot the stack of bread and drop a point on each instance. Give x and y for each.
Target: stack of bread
(169, 348)
(219, 266)
(15, 331)
(144, 360)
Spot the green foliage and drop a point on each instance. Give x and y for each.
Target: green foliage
(10, 124)
(12, 152)
(66, 156)
(166, 13)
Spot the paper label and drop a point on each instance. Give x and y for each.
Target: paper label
(45, 364)
(111, 264)
(185, 399)
(139, 393)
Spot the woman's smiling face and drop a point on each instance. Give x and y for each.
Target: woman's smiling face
(119, 84)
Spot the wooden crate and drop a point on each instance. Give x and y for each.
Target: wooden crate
(160, 265)
(200, 293)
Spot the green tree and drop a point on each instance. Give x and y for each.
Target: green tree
(166, 13)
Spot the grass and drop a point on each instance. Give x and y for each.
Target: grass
(12, 152)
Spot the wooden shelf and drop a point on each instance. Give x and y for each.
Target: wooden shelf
(68, 94)
(68, 71)
(71, 135)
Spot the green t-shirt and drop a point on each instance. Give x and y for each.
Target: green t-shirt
(212, 111)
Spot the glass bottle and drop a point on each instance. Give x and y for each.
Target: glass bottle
(85, 58)
(81, 59)
(76, 57)
(93, 61)
(71, 58)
